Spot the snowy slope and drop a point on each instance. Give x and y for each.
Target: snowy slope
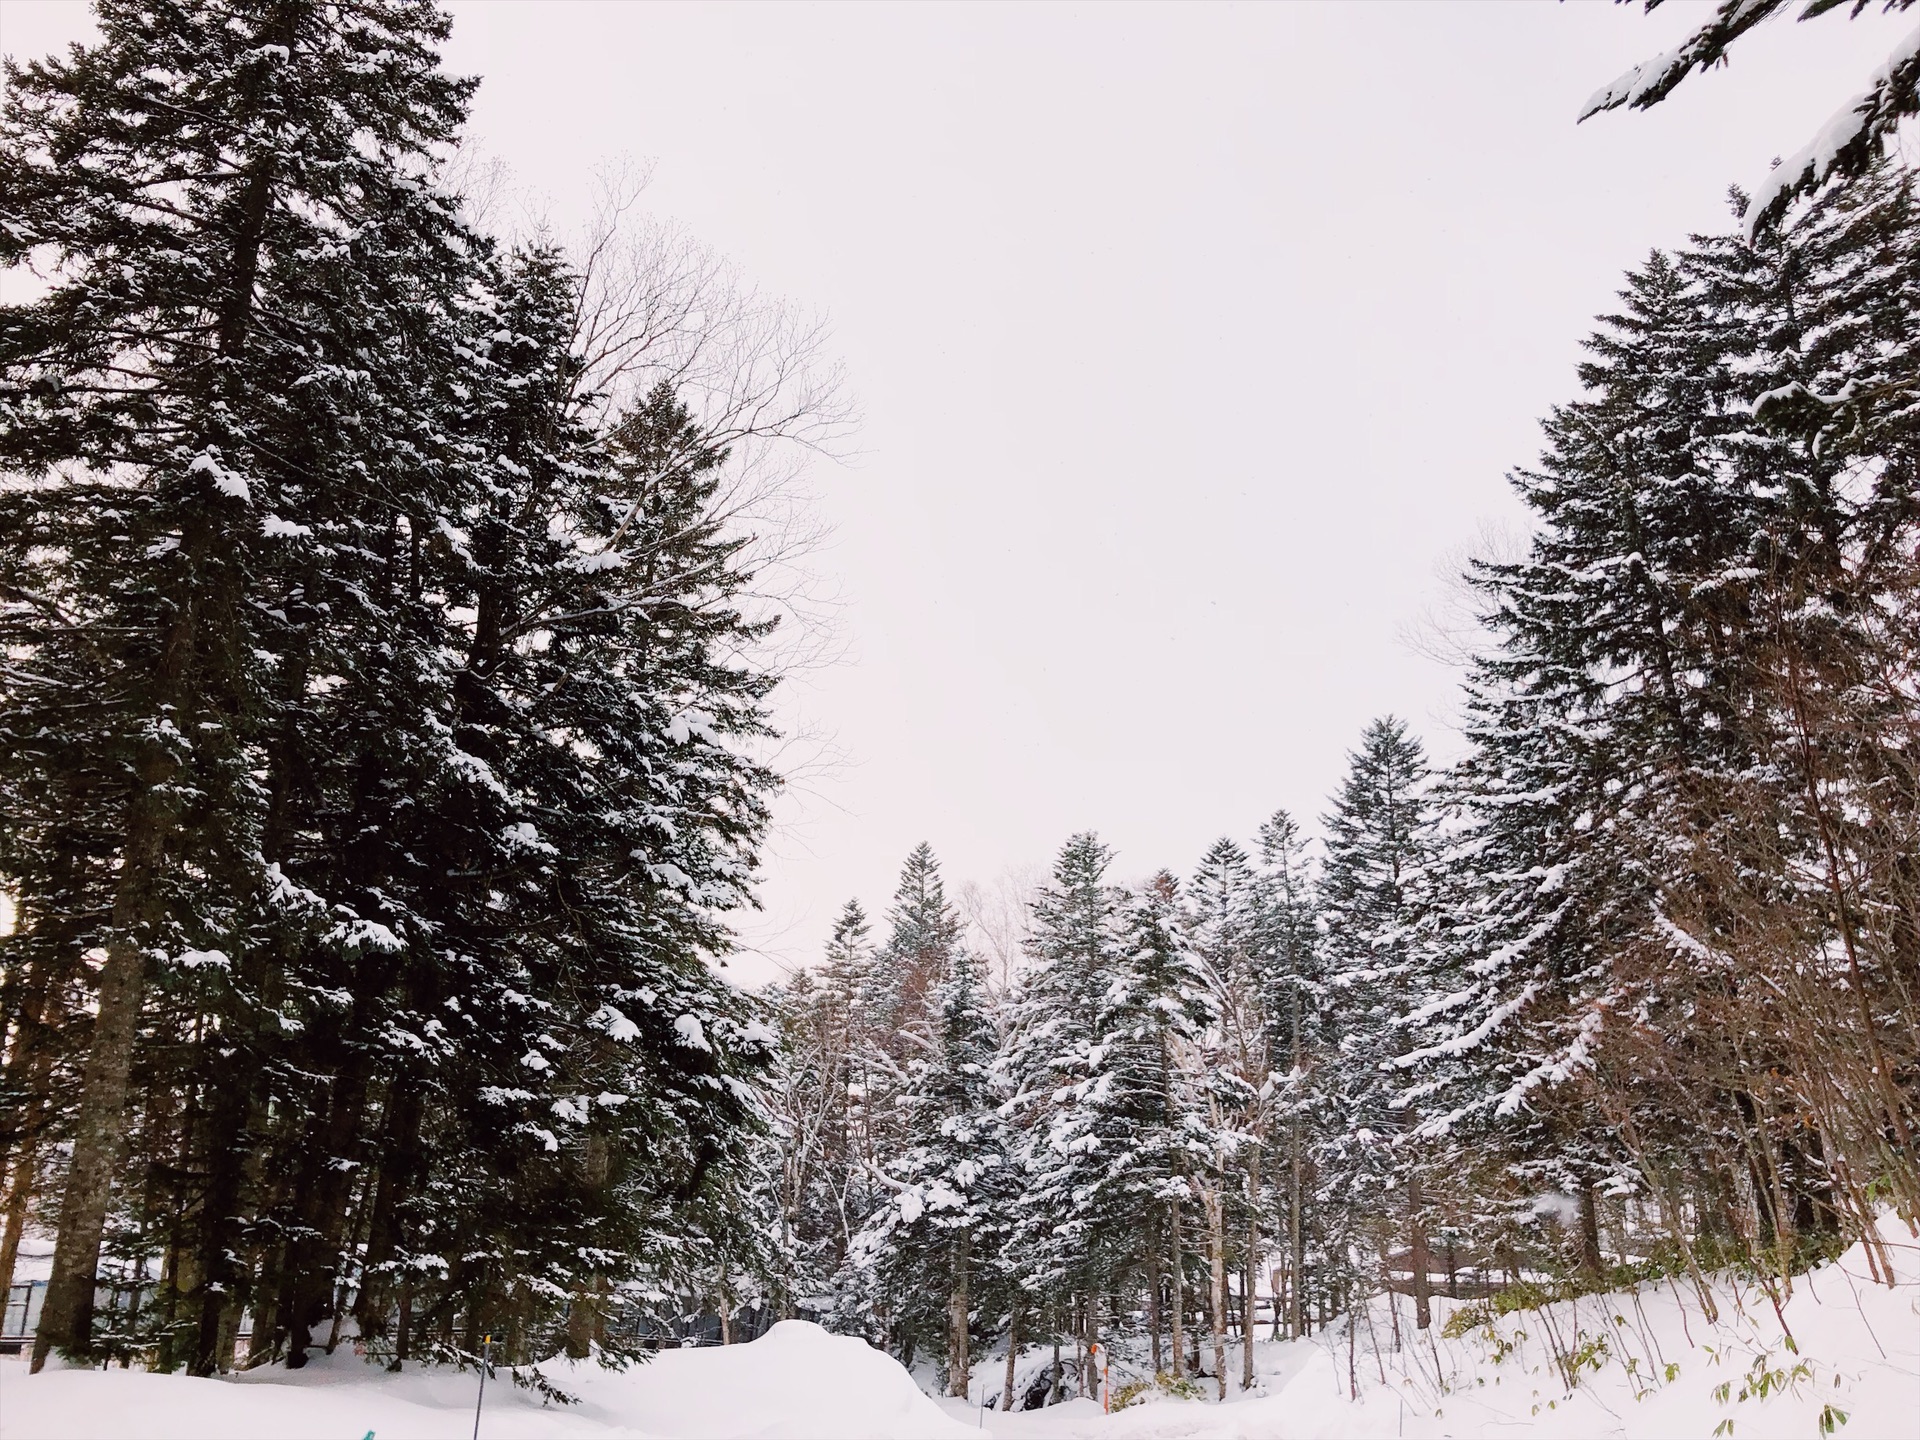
(1658, 1374)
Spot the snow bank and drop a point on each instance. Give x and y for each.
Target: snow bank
(796, 1382)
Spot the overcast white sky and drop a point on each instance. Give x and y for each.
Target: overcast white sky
(1190, 340)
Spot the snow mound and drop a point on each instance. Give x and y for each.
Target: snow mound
(796, 1382)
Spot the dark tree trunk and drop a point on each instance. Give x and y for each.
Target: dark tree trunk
(1013, 1352)
(1419, 1257)
(314, 1256)
(1153, 1297)
(959, 1310)
(399, 1164)
(1248, 1271)
(1178, 1297)
(66, 1316)
(1592, 1262)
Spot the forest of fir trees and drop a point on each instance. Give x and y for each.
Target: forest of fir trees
(1630, 989)
(383, 718)
(387, 656)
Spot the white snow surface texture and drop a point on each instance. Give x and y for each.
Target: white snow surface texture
(796, 1382)
(1660, 1374)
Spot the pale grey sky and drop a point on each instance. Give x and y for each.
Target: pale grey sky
(1189, 340)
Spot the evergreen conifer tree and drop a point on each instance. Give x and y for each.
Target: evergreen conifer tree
(1373, 904)
(253, 287)
(1056, 1068)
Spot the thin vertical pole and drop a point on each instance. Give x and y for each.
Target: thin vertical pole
(486, 1353)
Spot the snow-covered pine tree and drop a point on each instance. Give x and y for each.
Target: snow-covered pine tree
(961, 1151)
(923, 934)
(1379, 837)
(945, 1134)
(1637, 822)
(605, 696)
(1155, 1011)
(827, 1148)
(1055, 1064)
(1293, 991)
(1781, 868)
(252, 279)
(1554, 887)
(1233, 1073)
(889, 1281)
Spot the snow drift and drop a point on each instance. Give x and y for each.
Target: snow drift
(796, 1382)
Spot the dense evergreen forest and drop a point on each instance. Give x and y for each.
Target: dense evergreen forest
(1632, 988)
(383, 714)
(379, 713)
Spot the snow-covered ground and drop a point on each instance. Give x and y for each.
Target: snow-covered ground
(1649, 1364)
(796, 1380)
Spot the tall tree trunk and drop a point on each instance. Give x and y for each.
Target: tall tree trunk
(314, 1257)
(1296, 1188)
(1248, 1284)
(27, 1071)
(1418, 1256)
(1250, 1271)
(219, 1231)
(1153, 1297)
(399, 1162)
(1080, 1344)
(580, 1323)
(66, 1316)
(19, 1191)
(403, 1325)
(1013, 1352)
(586, 1311)
(100, 1121)
(959, 1357)
(1179, 1295)
(1591, 1261)
(1217, 1288)
(1297, 1236)
(1055, 1394)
